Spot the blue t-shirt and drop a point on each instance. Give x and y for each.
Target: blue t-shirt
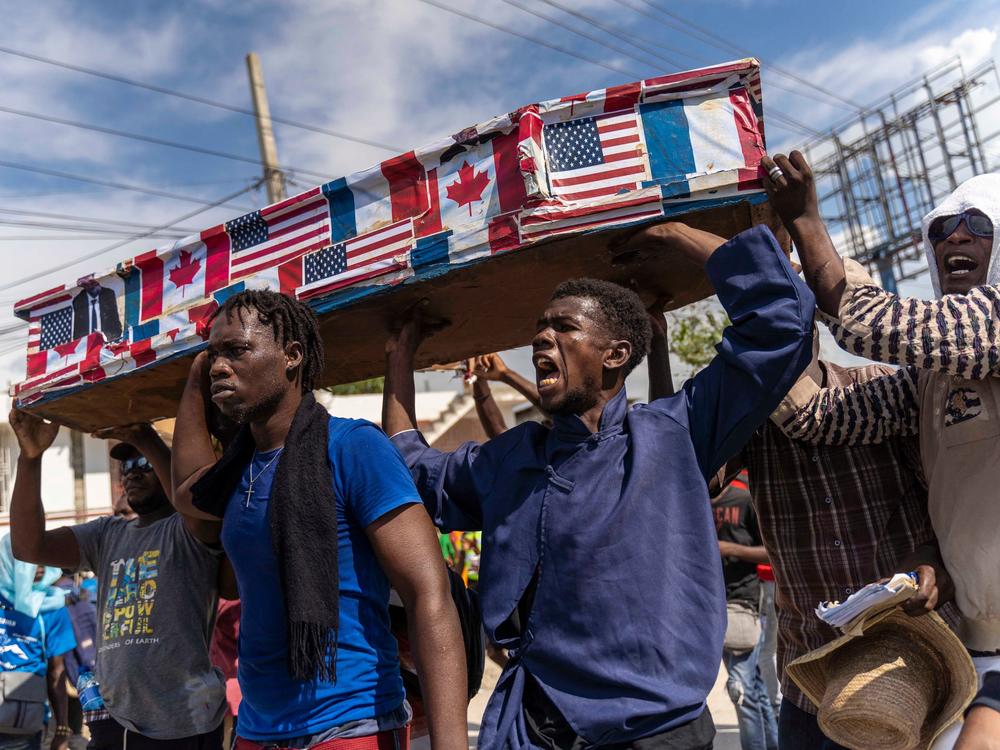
(369, 480)
(27, 643)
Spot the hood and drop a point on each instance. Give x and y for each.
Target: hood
(983, 193)
(18, 586)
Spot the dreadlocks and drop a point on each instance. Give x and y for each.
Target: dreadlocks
(291, 321)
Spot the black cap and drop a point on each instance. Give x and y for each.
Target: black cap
(121, 451)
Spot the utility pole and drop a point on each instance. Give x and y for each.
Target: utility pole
(78, 462)
(273, 176)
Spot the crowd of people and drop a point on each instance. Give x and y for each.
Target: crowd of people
(619, 552)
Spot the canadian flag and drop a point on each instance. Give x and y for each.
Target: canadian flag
(65, 359)
(173, 279)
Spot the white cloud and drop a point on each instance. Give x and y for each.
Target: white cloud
(397, 71)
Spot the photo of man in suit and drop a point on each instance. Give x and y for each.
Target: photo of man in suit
(95, 308)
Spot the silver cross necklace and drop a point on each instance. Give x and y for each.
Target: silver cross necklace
(259, 473)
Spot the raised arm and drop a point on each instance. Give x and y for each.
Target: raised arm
(761, 354)
(451, 485)
(862, 413)
(958, 334)
(29, 540)
(487, 410)
(193, 453)
(492, 367)
(661, 381)
(792, 191)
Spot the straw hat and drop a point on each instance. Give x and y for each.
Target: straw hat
(894, 682)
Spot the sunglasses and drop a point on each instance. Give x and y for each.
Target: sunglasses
(135, 464)
(944, 226)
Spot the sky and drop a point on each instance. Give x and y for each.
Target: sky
(393, 74)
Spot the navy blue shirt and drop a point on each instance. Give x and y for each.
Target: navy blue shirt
(369, 481)
(625, 633)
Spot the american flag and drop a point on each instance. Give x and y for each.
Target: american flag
(557, 218)
(51, 329)
(278, 233)
(597, 156)
(373, 254)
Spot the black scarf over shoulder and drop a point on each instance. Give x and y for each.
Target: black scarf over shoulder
(303, 517)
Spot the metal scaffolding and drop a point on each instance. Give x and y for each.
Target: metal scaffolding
(881, 171)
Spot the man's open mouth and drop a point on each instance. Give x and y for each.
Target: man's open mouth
(959, 264)
(546, 372)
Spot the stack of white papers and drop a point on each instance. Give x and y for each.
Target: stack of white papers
(873, 597)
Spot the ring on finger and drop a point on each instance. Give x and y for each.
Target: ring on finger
(774, 173)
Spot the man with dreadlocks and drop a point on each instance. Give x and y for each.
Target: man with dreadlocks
(600, 569)
(319, 516)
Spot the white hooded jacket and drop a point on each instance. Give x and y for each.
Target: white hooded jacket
(982, 193)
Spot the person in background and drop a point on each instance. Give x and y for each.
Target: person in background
(83, 658)
(36, 633)
(224, 655)
(742, 551)
(156, 599)
(491, 368)
(767, 662)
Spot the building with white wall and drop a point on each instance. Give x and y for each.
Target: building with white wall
(58, 479)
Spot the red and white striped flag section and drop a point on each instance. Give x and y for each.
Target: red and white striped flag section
(556, 218)
(267, 238)
(591, 157)
(359, 258)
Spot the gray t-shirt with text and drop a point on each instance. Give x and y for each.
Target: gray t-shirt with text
(156, 606)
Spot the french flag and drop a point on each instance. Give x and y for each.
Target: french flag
(699, 136)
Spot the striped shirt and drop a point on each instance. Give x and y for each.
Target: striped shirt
(948, 393)
(833, 518)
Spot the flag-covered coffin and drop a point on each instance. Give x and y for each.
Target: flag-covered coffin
(483, 225)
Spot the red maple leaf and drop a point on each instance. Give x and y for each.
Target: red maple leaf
(67, 349)
(185, 271)
(469, 186)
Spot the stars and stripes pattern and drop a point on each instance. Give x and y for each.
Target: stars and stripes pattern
(606, 158)
(591, 157)
(54, 328)
(348, 262)
(277, 234)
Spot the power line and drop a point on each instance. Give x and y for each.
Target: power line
(75, 237)
(707, 36)
(591, 37)
(81, 228)
(88, 256)
(193, 97)
(519, 35)
(91, 219)
(613, 32)
(782, 120)
(154, 140)
(168, 183)
(111, 184)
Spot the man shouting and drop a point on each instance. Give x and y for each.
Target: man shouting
(600, 568)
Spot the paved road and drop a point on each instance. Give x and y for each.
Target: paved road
(727, 737)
